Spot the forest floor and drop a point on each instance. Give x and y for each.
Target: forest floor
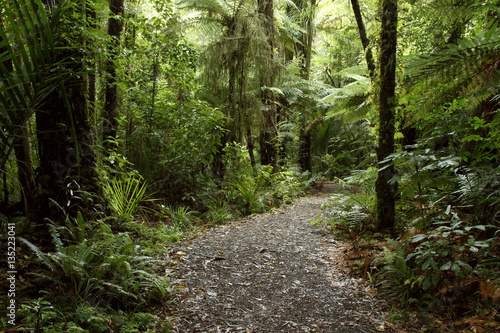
(272, 273)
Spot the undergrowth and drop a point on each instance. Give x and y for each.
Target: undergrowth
(109, 274)
(441, 266)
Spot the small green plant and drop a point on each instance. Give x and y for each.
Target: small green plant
(126, 193)
(249, 199)
(444, 252)
(397, 278)
(428, 262)
(180, 217)
(287, 185)
(219, 211)
(348, 214)
(38, 314)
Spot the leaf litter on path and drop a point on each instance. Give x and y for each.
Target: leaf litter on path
(271, 273)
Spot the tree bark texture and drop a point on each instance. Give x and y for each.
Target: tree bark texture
(250, 147)
(387, 102)
(22, 149)
(92, 62)
(269, 135)
(364, 39)
(63, 135)
(305, 148)
(304, 49)
(115, 26)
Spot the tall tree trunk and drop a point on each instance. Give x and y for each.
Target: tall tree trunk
(250, 147)
(269, 134)
(22, 149)
(92, 61)
(218, 167)
(305, 147)
(156, 66)
(63, 135)
(364, 39)
(115, 26)
(304, 48)
(387, 102)
(129, 41)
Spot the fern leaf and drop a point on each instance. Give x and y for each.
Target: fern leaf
(43, 258)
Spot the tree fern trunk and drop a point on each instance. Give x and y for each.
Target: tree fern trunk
(387, 102)
(305, 147)
(115, 26)
(304, 49)
(268, 135)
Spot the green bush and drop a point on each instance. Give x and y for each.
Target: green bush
(439, 259)
(93, 272)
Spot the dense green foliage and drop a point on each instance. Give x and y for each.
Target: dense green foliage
(124, 128)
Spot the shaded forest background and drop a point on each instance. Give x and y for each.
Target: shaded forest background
(127, 124)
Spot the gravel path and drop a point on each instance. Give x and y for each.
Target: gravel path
(270, 273)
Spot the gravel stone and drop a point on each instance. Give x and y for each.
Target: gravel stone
(271, 273)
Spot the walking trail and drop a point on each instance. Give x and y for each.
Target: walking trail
(271, 273)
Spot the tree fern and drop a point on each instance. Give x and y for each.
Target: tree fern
(465, 69)
(26, 37)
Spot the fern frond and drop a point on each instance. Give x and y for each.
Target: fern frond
(56, 238)
(40, 255)
(465, 69)
(210, 6)
(27, 45)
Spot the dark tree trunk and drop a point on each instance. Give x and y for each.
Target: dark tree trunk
(115, 26)
(250, 147)
(22, 149)
(156, 66)
(304, 49)
(305, 147)
(387, 103)
(364, 39)
(92, 62)
(266, 147)
(269, 134)
(218, 166)
(129, 41)
(64, 143)
(63, 133)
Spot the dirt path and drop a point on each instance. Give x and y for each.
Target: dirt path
(270, 273)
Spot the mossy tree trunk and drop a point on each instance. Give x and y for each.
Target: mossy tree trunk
(268, 135)
(385, 191)
(67, 160)
(364, 39)
(110, 117)
(304, 49)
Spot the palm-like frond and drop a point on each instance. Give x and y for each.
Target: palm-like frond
(469, 68)
(211, 6)
(25, 65)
